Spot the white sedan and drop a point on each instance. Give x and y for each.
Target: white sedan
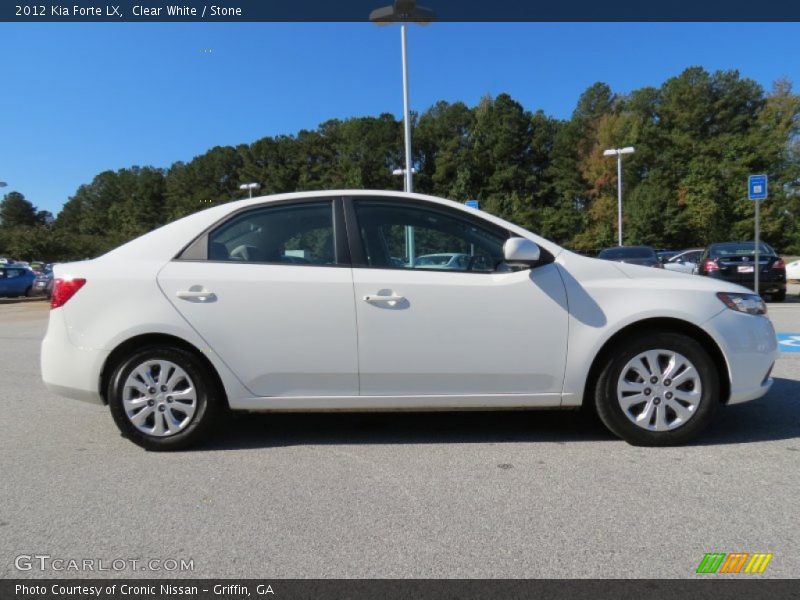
(793, 270)
(318, 314)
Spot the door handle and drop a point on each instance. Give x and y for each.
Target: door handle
(202, 296)
(374, 299)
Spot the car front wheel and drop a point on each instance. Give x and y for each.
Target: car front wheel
(162, 398)
(658, 389)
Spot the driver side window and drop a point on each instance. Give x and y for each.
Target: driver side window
(404, 236)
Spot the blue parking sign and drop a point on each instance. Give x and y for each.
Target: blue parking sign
(757, 187)
(789, 342)
(472, 204)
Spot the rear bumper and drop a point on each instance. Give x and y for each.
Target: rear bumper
(69, 370)
(750, 348)
(768, 282)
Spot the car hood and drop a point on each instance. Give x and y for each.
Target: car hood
(596, 271)
(600, 292)
(664, 278)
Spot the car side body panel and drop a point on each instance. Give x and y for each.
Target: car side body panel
(113, 307)
(598, 309)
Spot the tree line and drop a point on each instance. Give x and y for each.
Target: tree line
(697, 138)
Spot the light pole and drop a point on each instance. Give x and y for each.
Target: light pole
(618, 152)
(404, 11)
(250, 187)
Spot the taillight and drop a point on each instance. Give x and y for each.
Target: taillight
(779, 264)
(63, 290)
(710, 265)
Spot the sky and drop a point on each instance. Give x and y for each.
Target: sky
(80, 98)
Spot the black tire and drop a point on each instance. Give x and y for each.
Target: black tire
(611, 412)
(209, 399)
(28, 291)
(779, 296)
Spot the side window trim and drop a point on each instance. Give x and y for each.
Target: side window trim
(358, 252)
(197, 249)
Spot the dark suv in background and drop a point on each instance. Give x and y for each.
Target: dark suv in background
(735, 262)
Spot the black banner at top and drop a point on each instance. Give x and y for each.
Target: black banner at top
(144, 11)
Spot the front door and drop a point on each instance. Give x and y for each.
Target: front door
(440, 314)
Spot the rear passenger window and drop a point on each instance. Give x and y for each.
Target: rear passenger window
(299, 234)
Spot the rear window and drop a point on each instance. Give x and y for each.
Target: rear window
(739, 249)
(615, 253)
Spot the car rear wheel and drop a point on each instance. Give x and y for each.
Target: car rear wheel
(162, 398)
(779, 296)
(659, 389)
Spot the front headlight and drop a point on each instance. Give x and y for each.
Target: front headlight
(752, 304)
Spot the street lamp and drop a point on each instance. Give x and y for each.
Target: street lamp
(250, 187)
(403, 172)
(403, 11)
(618, 152)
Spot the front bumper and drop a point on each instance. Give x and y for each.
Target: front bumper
(750, 348)
(69, 370)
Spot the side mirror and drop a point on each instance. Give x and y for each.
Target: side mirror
(520, 252)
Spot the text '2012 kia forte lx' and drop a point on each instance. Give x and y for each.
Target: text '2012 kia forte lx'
(316, 301)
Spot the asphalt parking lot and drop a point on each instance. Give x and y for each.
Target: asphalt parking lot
(515, 494)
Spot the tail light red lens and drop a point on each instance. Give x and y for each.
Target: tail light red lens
(779, 264)
(63, 290)
(710, 265)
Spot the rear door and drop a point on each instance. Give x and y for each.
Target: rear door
(270, 290)
(16, 282)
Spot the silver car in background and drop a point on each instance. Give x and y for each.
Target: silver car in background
(685, 262)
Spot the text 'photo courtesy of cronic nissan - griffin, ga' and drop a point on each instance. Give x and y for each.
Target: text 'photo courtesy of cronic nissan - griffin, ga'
(365, 301)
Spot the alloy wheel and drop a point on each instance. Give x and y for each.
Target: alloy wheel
(659, 390)
(159, 398)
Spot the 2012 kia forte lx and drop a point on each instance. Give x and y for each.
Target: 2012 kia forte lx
(316, 301)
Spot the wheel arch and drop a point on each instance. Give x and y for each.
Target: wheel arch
(660, 324)
(154, 339)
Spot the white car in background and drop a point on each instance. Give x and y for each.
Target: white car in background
(177, 325)
(793, 270)
(685, 262)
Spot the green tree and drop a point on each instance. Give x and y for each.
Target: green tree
(16, 211)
